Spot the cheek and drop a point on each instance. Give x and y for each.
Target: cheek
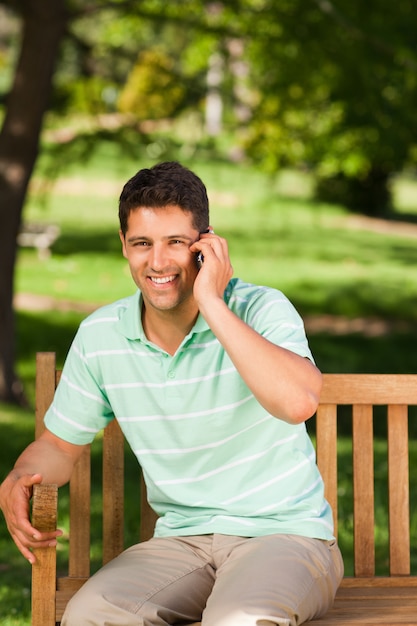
(133, 263)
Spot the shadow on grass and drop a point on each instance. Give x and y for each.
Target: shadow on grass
(46, 331)
(402, 217)
(105, 241)
(392, 353)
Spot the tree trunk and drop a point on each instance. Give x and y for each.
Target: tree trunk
(43, 28)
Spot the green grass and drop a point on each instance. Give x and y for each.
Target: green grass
(311, 251)
(16, 428)
(277, 236)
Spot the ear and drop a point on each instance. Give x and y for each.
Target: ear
(123, 240)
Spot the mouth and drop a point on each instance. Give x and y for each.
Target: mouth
(162, 280)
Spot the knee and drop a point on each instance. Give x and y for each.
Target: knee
(75, 612)
(90, 606)
(85, 607)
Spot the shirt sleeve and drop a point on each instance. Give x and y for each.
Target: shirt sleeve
(272, 314)
(80, 408)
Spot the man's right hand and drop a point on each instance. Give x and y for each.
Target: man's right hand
(49, 459)
(15, 495)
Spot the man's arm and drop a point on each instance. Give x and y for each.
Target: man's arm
(47, 460)
(287, 385)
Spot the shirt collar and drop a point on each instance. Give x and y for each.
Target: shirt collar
(130, 322)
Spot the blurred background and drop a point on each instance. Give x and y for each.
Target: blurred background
(299, 116)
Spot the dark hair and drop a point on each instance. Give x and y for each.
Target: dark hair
(164, 184)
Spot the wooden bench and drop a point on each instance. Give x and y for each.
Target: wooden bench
(39, 236)
(363, 598)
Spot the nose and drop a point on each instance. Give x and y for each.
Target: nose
(158, 258)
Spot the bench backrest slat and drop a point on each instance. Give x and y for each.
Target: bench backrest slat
(80, 515)
(326, 448)
(363, 490)
(113, 491)
(398, 490)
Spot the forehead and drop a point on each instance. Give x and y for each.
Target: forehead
(160, 218)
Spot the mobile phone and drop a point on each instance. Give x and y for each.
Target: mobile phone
(199, 259)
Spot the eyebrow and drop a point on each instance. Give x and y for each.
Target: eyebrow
(134, 238)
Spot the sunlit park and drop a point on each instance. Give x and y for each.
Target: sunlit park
(298, 115)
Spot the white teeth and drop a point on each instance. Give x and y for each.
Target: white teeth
(161, 281)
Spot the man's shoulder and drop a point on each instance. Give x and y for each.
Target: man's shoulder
(108, 313)
(239, 291)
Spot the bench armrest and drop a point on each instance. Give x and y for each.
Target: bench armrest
(44, 518)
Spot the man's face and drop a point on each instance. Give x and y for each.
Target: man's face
(156, 246)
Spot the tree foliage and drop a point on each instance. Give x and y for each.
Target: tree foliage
(337, 90)
(326, 84)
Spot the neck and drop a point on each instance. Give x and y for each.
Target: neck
(167, 329)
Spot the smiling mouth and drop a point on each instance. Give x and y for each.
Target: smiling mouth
(162, 280)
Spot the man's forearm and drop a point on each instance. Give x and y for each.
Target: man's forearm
(286, 384)
(54, 459)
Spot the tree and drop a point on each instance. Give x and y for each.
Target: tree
(337, 90)
(328, 84)
(43, 25)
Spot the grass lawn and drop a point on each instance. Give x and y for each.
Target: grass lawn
(16, 428)
(328, 262)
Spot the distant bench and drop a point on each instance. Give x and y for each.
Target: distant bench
(39, 236)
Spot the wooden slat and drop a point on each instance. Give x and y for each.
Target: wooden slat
(113, 491)
(80, 492)
(44, 570)
(367, 616)
(398, 488)
(66, 588)
(384, 600)
(326, 447)
(147, 516)
(363, 490)
(350, 584)
(46, 380)
(44, 387)
(369, 389)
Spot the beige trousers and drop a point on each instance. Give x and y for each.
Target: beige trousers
(222, 580)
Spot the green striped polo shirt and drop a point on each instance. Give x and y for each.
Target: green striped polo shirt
(213, 459)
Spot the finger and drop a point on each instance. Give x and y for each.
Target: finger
(28, 480)
(33, 535)
(208, 231)
(26, 544)
(217, 246)
(27, 551)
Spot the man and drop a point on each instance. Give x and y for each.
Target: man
(211, 380)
